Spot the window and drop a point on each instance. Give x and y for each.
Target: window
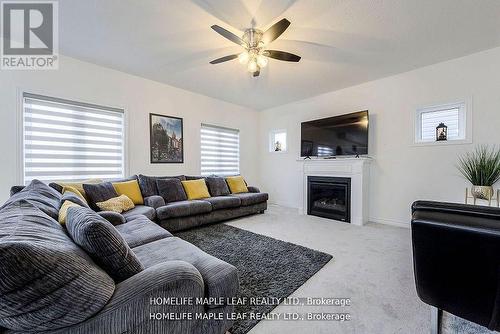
(277, 141)
(65, 140)
(452, 115)
(220, 150)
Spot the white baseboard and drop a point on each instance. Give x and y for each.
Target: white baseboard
(391, 222)
(284, 204)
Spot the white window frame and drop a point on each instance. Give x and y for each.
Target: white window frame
(272, 135)
(21, 92)
(465, 121)
(236, 131)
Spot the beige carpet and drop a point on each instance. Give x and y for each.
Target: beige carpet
(372, 266)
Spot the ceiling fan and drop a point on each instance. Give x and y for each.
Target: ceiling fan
(254, 41)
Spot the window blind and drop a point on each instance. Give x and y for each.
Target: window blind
(70, 141)
(220, 150)
(431, 119)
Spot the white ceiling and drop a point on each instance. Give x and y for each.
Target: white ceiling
(342, 42)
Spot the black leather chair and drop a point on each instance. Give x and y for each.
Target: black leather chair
(456, 258)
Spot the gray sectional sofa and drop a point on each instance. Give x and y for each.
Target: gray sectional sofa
(111, 273)
(184, 214)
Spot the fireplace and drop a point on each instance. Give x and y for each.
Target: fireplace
(329, 197)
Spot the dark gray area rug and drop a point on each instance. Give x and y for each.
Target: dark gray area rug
(267, 267)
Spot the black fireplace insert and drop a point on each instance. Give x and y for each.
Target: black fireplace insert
(329, 197)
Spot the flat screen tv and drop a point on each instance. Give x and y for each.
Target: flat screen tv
(335, 136)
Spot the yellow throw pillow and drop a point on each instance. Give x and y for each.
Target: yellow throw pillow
(79, 185)
(131, 189)
(116, 204)
(236, 184)
(63, 211)
(69, 189)
(196, 189)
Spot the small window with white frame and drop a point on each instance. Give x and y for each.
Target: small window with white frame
(277, 141)
(445, 123)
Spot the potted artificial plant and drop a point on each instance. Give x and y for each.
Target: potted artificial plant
(481, 168)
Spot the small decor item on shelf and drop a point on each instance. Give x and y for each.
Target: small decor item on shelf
(441, 132)
(482, 169)
(277, 146)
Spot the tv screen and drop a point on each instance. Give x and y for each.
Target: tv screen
(335, 136)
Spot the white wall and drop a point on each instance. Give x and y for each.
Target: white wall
(401, 173)
(81, 81)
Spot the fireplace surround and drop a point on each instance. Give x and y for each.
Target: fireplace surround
(356, 169)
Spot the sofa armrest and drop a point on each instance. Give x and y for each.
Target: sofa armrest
(114, 218)
(154, 201)
(253, 189)
(137, 300)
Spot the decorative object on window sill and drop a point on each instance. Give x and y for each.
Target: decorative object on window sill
(441, 132)
(277, 146)
(482, 169)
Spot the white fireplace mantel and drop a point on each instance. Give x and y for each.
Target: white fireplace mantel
(357, 169)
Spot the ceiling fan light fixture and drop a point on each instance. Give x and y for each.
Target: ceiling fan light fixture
(252, 66)
(254, 56)
(261, 61)
(243, 58)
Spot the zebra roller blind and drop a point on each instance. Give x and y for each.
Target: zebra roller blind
(70, 141)
(220, 150)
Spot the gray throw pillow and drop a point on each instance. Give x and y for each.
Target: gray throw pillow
(100, 239)
(190, 178)
(69, 196)
(148, 183)
(171, 190)
(46, 281)
(99, 192)
(217, 186)
(41, 196)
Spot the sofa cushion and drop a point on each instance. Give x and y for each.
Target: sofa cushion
(191, 178)
(74, 191)
(171, 190)
(251, 198)
(116, 204)
(147, 211)
(148, 183)
(114, 218)
(46, 281)
(99, 193)
(70, 196)
(100, 239)
(140, 231)
(220, 278)
(59, 186)
(183, 209)
(223, 202)
(63, 211)
(196, 189)
(217, 186)
(236, 184)
(41, 196)
(130, 189)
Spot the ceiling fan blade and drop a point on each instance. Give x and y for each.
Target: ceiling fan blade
(229, 35)
(275, 31)
(281, 55)
(256, 73)
(223, 59)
